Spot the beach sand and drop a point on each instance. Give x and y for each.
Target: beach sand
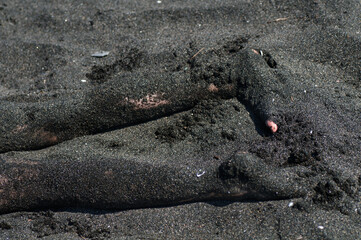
(162, 134)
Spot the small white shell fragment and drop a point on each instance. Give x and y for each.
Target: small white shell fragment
(320, 227)
(291, 204)
(200, 172)
(83, 80)
(100, 54)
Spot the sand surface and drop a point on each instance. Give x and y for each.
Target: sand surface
(147, 119)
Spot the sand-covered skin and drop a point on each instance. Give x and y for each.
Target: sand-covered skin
(178, 113)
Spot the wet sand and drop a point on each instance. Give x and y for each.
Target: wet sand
(166, 137)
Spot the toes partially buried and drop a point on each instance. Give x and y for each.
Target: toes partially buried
(272, 126)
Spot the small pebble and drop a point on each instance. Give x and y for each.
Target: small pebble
(100, 54)
(200, 172)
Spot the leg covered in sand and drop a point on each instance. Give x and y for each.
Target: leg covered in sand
(59, 181)
(106, 184)
(125, 100)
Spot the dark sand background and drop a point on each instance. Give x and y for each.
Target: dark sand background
(179, 172)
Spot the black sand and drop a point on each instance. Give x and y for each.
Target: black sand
(165, 138)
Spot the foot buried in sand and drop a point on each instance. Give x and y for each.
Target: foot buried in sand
(113, 104)
(119, 102)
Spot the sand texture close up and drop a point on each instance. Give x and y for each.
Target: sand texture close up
(180, 119)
